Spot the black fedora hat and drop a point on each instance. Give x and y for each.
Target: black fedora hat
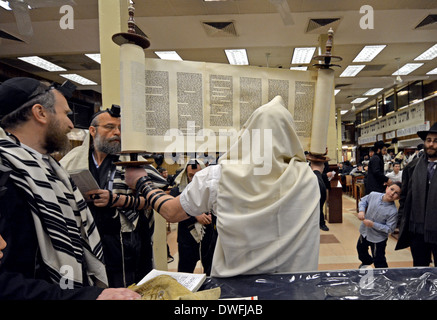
(379, 145)
(423, 134)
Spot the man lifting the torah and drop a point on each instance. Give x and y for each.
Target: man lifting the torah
(267, 220)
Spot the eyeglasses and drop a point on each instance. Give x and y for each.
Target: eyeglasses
(109, 127)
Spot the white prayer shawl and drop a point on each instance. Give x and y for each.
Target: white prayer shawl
(182, 178)
(65, 229)
(267, 223)
(77, 159)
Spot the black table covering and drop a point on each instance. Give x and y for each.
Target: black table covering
(360, 284)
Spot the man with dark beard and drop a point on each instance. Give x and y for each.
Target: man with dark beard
(54, 249)
(418, 203)
(124, 224)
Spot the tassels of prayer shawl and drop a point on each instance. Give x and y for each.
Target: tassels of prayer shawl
(198, 231)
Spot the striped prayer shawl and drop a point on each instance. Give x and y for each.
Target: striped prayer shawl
(66, 232)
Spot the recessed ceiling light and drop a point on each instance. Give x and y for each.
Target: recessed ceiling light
(406, 69)
(79, 79)
(302, 55)
(373, 91)
(42, 63)
(237, 56)
(368, 53)
(352, 70)
(429, 54)
(359, 100)
(433, 71)
(336, 91)
(168, 55)
(94, 56)
(299, 68)
(344, 111)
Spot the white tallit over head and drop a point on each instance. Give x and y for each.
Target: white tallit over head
(182, 178)
(267, 213)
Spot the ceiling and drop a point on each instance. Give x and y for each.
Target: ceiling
(179, 25)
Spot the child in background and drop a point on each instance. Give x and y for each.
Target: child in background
(379, 215)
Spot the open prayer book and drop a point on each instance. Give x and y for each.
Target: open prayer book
(191, 281)
(84, 180)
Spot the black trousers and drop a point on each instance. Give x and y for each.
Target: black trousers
(377, 250)
(421, 251)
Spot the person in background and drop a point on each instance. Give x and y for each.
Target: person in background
(396, 174)
(318, 168)
(358, 170)
(376, 179)
(196, 235)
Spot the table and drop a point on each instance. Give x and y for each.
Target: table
(366, 284)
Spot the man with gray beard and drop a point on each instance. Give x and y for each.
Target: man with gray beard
(124, 224)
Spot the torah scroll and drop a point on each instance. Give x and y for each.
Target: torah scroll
(183, 106)
(321, 110)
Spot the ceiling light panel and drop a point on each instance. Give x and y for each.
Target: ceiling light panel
(168, 55)
(352, 70)
(433, 71)
(368, 53)
(407, 69)
(302, 55)
(5, 5)
(373, 91)
(79, 79)
(299, 68)
(237, 56)
(429, 54)
(94, 56)
(359, 100)
(42, 63)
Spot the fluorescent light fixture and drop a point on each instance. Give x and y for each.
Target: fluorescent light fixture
(79, 79)
(368, 53)
(302, 55)
(42, 63)
(168, 55)
(429, 54)
(406, 69)
(336, 91)
(237, 56)
(359, 100)
(94, 56)
(5, 5)
(299, 68)
(433, 71)
(373, 91)
(344, 111)
(352, 70)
